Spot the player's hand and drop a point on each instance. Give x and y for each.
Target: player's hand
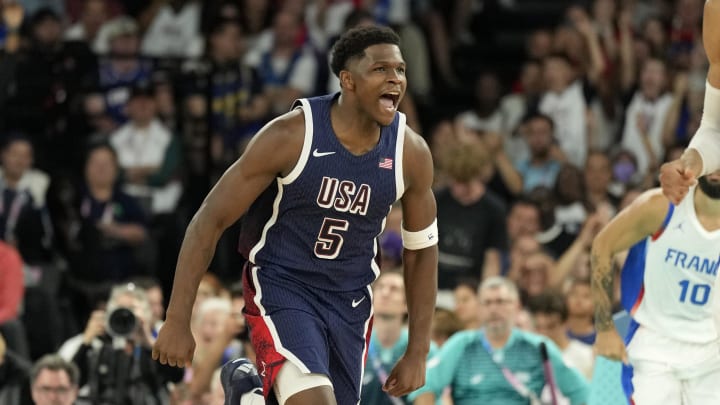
(609, 344)
(175, 344)
(677, 176)
(407, 375)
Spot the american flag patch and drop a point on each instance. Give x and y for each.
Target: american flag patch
(385, 163)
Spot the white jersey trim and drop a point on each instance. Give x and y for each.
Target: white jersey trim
(399, 148)
(273, 218)
(307, 144)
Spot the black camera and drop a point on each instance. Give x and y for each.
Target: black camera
(121, 323)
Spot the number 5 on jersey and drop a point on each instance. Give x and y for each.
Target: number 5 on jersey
(330, 239)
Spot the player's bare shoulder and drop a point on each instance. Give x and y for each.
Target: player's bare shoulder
(277, 146)
(417, 159)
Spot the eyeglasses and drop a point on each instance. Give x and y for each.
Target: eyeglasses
(499, 301)
(46, 390)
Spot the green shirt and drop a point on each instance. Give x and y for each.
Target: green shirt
(464, 365)
(380, 362)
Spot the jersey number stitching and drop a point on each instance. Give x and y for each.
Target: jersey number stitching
(330, 240)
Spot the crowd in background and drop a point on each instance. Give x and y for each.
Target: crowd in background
(117, 116)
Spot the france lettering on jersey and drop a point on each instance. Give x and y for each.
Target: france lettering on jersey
(668, 278)
(329, 210)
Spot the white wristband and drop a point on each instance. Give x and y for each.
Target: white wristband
(420, 239)
(706, 140)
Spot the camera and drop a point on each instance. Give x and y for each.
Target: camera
(121, 323)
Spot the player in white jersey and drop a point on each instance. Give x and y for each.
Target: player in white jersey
(667, 287)
(703, 154)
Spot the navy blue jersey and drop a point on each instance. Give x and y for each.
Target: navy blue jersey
(329, 210)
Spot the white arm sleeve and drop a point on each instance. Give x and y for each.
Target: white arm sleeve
(706, 140)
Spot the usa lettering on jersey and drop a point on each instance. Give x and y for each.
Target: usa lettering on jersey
(344, 196)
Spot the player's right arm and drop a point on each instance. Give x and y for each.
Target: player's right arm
(273, 152)
(703, 154)
(639, 220)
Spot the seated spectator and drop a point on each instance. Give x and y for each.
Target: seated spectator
(24, 220)
(54, 381)
(174, 31)
(14, 372)
(467, 307)
(470, 217)
(148, 154)
(598, 178)
(103, 227)
(523, 219)
(288, 69)
(154, 293)
(477, 364)
(445, 324)
(94, 15)
(542, 166)
(536, 274)
(581, 311)
(549, 311)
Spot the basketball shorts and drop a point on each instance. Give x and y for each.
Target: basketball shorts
(668, 371)
(319, 331)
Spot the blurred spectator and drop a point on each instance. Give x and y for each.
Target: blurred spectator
(598, 178)
(391, 247)
(24, 220)
(102, 227)
(49, 79)
(564, 102)
(570, 197)
(326, 20)
(445, 324)
(154, 293)
(287, 66)
(115, 367)
(54, 381)
(14, 373)
(645, 117)
(542, 166)
(494, 353)
(549, 311)
(119, 70)
(522, 102)
(580, 311)
(537, 273)
(33, 6)
(467, 306)
(94, 14)
(389, 337)
(174, 31)
(470, 217)
(12, 288)
(149, 154)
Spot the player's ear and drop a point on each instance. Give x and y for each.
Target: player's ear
(346, 80)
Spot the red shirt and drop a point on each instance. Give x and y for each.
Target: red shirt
(12, 288)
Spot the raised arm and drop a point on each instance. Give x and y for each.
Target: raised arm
(420, 259)
(273, 152)
(639, 220)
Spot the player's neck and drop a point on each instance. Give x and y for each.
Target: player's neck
(498, 340)
(351, 124)
(101, 192)
(706, 207)
(580, 325)
(387, 331)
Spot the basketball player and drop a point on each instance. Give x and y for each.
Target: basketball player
(667, 287)
(703, 154)
(336, 164)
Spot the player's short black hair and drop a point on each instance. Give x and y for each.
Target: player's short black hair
(352, 44)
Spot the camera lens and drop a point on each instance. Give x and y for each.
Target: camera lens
(121, 322)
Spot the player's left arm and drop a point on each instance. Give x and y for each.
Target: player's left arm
(420, 258)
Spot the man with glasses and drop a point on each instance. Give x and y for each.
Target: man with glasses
(54, 381)
(498, 363)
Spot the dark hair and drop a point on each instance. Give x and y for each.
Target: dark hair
(352, 44)
(54, 362)
(549, 302)
(97, 146)
(535, 116)
(13, 137)
(469, 282)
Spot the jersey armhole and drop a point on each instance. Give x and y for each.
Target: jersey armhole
(666, 221)
(303, 105)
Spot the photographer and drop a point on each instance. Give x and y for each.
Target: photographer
(114, 354)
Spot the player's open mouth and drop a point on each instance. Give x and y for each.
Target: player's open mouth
(390, 100)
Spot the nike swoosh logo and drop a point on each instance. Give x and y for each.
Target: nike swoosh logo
(356, 303)
(316, 153)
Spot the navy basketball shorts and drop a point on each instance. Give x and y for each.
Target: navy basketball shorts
(319, 331)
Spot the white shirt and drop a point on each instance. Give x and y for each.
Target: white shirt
(175, 34)
(567, 109)
(654, 112)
